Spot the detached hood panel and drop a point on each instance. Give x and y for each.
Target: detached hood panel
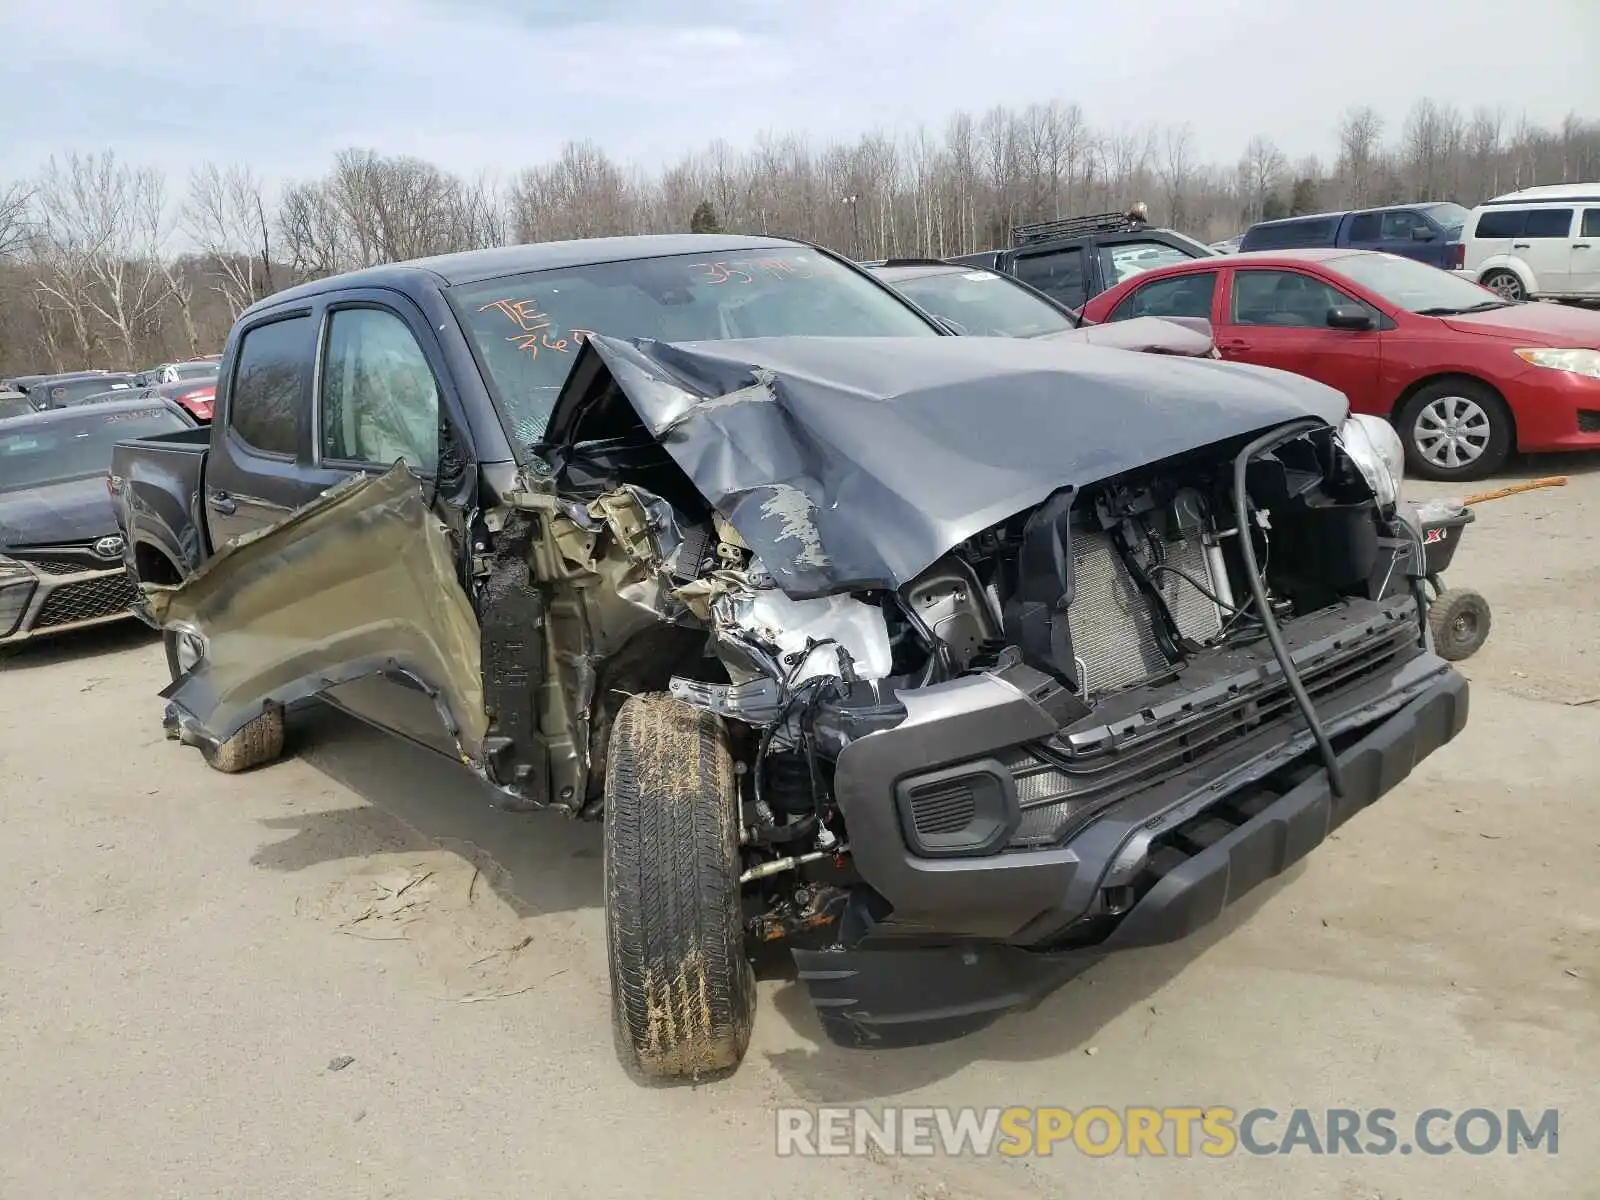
(1188, 336)
(851, 463)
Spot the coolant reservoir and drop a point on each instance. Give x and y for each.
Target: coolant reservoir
(791, 625)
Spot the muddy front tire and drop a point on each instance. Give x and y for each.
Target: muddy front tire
(257, 743)
(682, 992)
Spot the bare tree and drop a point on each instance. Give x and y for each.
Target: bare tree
(961, 143)
(1481, 178)
(1177, 165)
(1261, 170)
(1431, 142)
(582, 194)
(313, 231)
(1360, 138)
(14, 201)
(226, 217)
(102, 230)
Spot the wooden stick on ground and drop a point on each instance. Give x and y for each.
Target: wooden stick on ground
(1513, 489)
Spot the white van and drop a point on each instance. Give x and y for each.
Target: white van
(1541, 242)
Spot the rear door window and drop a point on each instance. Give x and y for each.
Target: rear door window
(1364, 227)
(1056, 273)
(1183, 296)
(1591, 222)
(269, 384)
(1548, 223)
(1501, 223)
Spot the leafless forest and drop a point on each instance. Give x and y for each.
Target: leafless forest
(115, 264)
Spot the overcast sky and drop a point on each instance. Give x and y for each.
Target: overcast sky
(499, 84)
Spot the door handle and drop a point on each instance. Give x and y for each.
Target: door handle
(1519, 245)
(1580, 245)
(222, 502)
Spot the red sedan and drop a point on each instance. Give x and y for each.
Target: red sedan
(1465, 376)
(195, 397)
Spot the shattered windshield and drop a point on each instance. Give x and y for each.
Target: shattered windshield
(527, 328)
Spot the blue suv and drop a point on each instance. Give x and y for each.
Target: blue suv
(1429, 233)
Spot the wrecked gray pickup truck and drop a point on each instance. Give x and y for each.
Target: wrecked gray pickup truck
(953, 663)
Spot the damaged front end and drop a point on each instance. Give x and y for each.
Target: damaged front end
(1012, 640)
(960, 607)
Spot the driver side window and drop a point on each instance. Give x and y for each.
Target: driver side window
(1397, 226)
(380, 401)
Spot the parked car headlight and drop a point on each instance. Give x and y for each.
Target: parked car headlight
(1380, 456)
(1578, 362)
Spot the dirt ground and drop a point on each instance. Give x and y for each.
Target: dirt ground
(346, 975)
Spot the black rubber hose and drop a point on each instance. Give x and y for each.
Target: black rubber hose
(1258, 590)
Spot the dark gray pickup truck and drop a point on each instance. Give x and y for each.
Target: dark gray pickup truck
(955, 663)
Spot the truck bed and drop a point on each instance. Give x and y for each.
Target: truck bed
(156, 482)
(180, 441)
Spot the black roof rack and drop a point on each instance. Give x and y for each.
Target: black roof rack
(1111, 222)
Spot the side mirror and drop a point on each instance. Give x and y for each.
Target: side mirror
(1349, 316)
(1420, 233)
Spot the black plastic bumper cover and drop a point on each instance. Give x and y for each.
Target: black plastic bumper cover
(889, 995)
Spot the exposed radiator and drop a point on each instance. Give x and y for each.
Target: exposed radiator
(1113, 632)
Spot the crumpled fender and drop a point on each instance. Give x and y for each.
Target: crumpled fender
(358, 582)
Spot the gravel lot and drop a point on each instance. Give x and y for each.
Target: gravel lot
(187, 959)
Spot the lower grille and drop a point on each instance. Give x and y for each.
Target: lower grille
(85, 601)
(944, 809)
(1588, 422)
(1058, 789)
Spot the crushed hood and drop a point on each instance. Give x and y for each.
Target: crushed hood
(851, 463)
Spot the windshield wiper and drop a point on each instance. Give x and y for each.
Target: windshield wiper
(1484, 306)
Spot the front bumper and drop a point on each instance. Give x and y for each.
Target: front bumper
(60, 594)
(1555, 410)
(902, 989)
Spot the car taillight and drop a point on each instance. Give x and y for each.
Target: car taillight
(1460, 255)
